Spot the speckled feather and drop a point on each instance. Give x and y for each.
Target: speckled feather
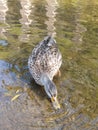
(45, 58)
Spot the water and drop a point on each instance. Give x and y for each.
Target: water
(74, 24)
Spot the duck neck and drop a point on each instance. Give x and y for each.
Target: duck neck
(45, 79)
(47, 83)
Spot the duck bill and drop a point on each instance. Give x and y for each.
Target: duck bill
(55, 103)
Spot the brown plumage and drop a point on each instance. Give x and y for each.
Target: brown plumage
(44, 63)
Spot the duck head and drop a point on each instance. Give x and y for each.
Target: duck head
(50, 89)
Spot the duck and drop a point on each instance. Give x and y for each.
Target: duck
(44, 64)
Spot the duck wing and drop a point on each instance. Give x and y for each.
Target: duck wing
(45, 58)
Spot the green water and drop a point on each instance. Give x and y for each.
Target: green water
(74, 25)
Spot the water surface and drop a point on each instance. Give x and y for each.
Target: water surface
(74, 25)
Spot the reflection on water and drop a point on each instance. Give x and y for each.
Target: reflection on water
(74, 24)
(78, 37)
(25, 20)
(3, 10)
(13, 13)
(51, 14)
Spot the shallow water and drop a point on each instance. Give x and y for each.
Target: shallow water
(74, 24)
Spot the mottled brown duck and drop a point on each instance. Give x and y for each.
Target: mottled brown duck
(44, 63)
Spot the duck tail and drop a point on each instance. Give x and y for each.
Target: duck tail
(49, 40)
